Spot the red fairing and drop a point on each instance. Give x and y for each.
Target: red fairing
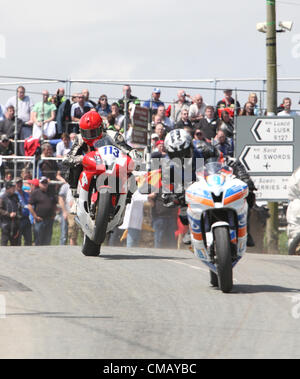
(91, 163)
(85, 180)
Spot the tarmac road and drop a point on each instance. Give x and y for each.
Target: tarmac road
(145, 303)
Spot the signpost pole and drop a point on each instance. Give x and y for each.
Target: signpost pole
(149, 132)
(272, 223)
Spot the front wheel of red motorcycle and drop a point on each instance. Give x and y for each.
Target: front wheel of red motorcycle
(102, 216)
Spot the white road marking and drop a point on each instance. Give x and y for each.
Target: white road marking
(185, 264)
(194, 267)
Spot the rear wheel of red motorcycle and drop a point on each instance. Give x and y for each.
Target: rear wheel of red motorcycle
(224, 260)
(90, 248)
(102, 216)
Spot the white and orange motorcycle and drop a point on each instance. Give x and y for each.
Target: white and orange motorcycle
(217, 214)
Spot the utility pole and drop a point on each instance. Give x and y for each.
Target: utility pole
(272, 222)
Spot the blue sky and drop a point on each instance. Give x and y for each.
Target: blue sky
(133, 39)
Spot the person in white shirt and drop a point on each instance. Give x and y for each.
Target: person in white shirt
(64, 146)
(179, 105)
(115, 111)
(197, 109)
(79, 108)
(25, 106)
(161, 111)
(287, 104)
(133, 218)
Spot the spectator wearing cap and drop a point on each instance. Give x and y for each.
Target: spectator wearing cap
(25, 224)
(42, 206)
(181, 104)
(227, 103)
(154, 139)
(155, 101)
(10, 213)
(160, 151)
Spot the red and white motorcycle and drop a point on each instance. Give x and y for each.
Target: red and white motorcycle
(102, 193)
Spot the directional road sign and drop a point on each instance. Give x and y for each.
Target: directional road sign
(268, 158)
(267, 146)
(280, 129)
(271, 187)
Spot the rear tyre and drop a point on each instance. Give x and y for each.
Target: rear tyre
(224, 260)
(102, 216)
(294, 248)
(90, 248)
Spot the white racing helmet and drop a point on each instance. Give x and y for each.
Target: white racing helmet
(178, 144)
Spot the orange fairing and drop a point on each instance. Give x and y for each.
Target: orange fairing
(197, 236)
(200, 200)
(235, 197)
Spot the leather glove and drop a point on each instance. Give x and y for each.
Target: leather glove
(72, 161)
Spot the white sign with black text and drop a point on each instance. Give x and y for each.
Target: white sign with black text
(271, 187)
(267, 158)
(280, 129)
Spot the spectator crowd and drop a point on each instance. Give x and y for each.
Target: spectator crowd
(46, 131)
